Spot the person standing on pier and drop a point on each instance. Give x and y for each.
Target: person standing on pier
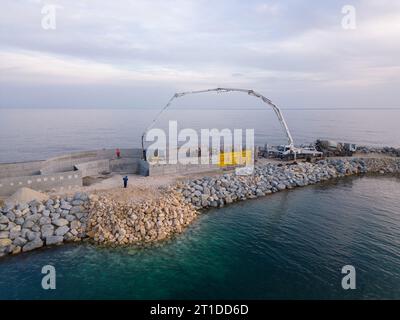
(118, 153)
(125, 181)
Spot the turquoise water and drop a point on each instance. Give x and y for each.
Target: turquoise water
(292, 245)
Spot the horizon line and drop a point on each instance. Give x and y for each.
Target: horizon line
(206, 108)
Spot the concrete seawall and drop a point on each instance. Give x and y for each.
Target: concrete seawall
(59, 181)
(67, 162)
(125, 165)
(64, 172)
(166, 169)
(93, 168)
(18, 169)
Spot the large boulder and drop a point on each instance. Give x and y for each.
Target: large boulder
(61, 231)
(81, 196)
(5, 242)
(47, 230)
(20, 241)
(4, 234)
(52, 240)
(3, 219)
(35, 244)
(60, 222)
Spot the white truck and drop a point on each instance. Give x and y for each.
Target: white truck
(284, 153)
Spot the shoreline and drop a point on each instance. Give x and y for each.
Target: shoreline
(101, 219)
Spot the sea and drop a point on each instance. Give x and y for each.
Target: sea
(289, 245)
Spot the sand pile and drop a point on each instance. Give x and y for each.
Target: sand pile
(25, 195)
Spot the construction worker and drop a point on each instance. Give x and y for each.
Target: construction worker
(118, 153)
(125, 181)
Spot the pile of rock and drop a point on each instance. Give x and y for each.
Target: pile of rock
(383, 165)
(270, 178)
(25, 227)
(113, 222)
(395, 152)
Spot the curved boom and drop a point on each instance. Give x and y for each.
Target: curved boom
(222, 90)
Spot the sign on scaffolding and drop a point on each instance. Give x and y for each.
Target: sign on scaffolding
(235, 158)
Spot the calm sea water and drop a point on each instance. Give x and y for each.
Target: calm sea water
(291, 245)
(32, 134)
(288, 245)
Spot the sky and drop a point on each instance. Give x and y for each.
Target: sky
(136, 54)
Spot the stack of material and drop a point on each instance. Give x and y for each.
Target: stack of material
(25, 195)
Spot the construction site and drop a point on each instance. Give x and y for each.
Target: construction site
(86, 195)
(104, 168)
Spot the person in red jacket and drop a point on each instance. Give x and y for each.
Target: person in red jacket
(118, 153)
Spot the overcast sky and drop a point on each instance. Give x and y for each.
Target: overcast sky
(138, 53)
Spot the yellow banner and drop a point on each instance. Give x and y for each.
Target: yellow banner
(234, 158)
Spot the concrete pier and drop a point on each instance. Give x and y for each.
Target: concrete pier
(66, 171)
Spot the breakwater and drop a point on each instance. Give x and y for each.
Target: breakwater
(28, 226)
(25, 227)
(271, 178)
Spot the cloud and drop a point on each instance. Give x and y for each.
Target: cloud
(269, 9)
(272, 46)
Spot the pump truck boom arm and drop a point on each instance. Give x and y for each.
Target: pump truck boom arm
(253, 93)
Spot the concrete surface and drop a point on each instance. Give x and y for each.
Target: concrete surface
(58, 181)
